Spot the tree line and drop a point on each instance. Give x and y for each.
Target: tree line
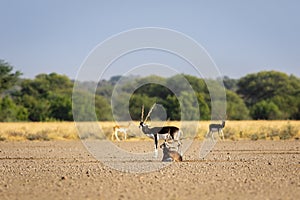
(269, 95)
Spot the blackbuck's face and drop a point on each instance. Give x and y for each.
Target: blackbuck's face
(164, 146)
(141, 125)
(223, 123)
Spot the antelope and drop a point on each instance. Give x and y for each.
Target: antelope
(156, 133)
(214, 128)
(121, 129)
(170, 155)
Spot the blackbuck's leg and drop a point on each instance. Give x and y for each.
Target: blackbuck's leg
(222, 134)
(206, 136)
(155, 145)
(210, 134)
(116, 135)
(179, 147)
(177, 140)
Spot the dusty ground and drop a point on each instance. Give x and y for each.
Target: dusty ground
(233, 170)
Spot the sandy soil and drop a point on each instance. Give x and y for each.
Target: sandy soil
(233, 170)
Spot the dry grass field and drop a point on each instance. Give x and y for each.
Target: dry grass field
(234, 130)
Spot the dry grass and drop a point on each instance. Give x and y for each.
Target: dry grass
(269, 130)
(234, 130)
(38, 131)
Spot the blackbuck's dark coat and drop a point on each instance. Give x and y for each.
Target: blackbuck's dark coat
(165, 132)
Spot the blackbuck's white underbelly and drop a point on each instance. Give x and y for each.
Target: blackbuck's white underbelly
(215, 129)
(160, 136)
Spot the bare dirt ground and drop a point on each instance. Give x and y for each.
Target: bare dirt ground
(233, 170)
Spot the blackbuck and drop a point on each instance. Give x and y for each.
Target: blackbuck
(120, 129)
(216, 128)
(170, 155)
(165, 132)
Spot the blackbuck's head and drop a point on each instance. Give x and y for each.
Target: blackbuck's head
(223, 123)
(164, 146)
(143, 122)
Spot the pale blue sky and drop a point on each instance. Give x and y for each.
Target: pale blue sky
(40, 36)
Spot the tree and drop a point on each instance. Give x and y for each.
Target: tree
(236, 108)
(263, 85)
(103, 109)
(38, 109)
(198, 85)
(203, 107)
(230, 84)
(83, 108)
(179, 83)
(61, 107)
(136, 102)
(7, 77)
(265, 110)
(189, 107)
(270, 89)
(173, 108)
(47, 97)
(154, 90)
(11, 112)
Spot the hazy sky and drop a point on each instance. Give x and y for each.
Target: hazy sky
(43, 36)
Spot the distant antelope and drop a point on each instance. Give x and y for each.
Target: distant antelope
(121, 129)
(170, 155)
(214, 128)
(156, 133)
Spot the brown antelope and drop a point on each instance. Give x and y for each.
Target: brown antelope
(156, 133)
(120, 128)
(170, 155)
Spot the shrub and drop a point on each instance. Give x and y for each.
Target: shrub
(42, 135)
(254, 137)
(288, 132)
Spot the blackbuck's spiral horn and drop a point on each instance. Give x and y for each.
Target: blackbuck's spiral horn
(150, 111)
(142, 116)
